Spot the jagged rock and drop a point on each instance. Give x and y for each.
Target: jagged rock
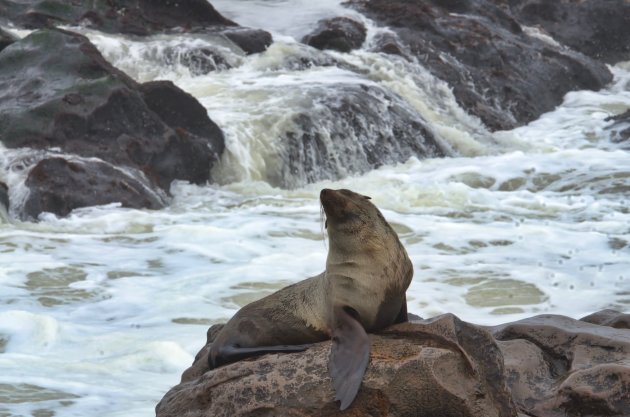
(351, 129)
(440, 367)
(136, 17)
(599, 29)
(498, 72)
(71, 100)
(58, 186)
(544, 366)
(339, 33)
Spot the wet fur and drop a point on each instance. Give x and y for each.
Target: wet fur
(362, 290)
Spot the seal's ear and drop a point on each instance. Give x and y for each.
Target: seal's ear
(349, 355)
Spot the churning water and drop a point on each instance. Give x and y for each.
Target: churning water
(100, 312)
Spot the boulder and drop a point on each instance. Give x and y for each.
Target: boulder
(558, 366)
(58, 186)
(349, 129)
(544, 366)
(620, 128)
(440, 367)
(135, 17)
(599, 29)
(339, 33)
(497, 71)
(73, 101)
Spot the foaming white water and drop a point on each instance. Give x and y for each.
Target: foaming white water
(100, 312)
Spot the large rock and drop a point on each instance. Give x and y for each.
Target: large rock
(339, 33)
(497, 71)
(545, 366)
(136, 17)
(597, 28)
(349, 129)
(441, 367)
(58, 186)
(557, 366)
(70, 100)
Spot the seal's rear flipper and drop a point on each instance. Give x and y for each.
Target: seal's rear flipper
(402, 317)
(228, 354)
(349, 356)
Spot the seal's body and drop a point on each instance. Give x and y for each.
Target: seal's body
(362, 289)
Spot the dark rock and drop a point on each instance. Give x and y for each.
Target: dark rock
(59, 186)
(497, 71)
(251, 41)
(610, 318)
(4, 196)
(72, 100)
(558, 366)
(6, 39)
(136, 17)
(351, 129)
(340, 33)
(597, 28)
(441, 367)
(620, 129)
(544, 366)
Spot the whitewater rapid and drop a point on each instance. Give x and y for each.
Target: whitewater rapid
(101, 311)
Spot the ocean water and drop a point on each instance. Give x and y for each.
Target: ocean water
(102, 311)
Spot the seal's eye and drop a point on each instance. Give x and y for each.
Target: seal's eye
(367, 197)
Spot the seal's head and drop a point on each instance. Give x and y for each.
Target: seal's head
(351, 218)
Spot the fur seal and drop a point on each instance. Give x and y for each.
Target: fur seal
(362, 290)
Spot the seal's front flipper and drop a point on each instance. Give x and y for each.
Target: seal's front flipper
(229, 353)
(349, 355)
(402, 317)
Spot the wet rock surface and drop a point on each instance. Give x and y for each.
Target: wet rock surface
(340, 34)
(134, 17)
(543, 366)
(497, 71)
(71, 101)
(438, 367)
(599, 29)
(620, 127)
(351, 129)
(59, 186)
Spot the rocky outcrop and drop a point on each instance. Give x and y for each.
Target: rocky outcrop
(545, 366)
(497, 71)
(351, 128)
(136, 17)
(340, 34)
(438, 367)
(71, 101)
(599, 29)
(57, 185)
(557, 366)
